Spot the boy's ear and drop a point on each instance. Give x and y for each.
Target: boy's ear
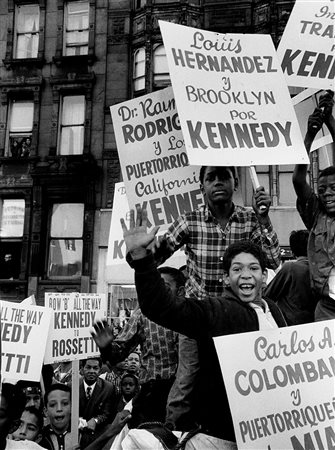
(226, 279)
(265, 277)
(181, 291)
(235, 184)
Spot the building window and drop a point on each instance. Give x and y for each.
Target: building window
(11, 236)
(21, 113)
(160, 67)
(76, 28)
(27, 22)
(139, 70)
(66, 241)
(71, 140)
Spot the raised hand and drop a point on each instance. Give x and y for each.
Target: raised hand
(103, 334)
(137, 237)
(315, 122)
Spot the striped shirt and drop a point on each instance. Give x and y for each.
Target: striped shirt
(206, 241)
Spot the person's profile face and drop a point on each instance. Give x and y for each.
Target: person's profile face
(58, 410)
(326, 192)
(28, 428)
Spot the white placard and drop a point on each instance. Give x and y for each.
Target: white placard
(73, 316)
(24, 332)
(307, 47)
(116, 254)
(280, 386)
(154, 163)
(233, 102)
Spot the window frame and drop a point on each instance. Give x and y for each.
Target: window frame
(51, 238)
(164, 77)
(19, 241)
(61, 127)
(16, 34)
(138, 78)
(21, 135)
(65, 31)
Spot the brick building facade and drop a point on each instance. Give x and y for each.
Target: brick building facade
(62, 64)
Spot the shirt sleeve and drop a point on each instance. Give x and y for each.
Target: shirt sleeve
(175, 237)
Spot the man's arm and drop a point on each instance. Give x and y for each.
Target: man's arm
(264, 234)
(117, 349)
(111, 431)
(322, 114)
(192, 318)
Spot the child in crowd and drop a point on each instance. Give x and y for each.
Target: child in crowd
(290, 288)
(241, 308)
(129, 388)
(206, 234)
(30, 425)
(12, 403)
(318, 214)
(57, 400)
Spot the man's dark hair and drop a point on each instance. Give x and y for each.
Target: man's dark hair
(176, 274)
(37, 414)
(203, 169)
(56, 387)
(94, 358)
(298, 242)
(243, 247)
(327, 171)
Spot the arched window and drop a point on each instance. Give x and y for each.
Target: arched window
(160, 67)
(139, 70)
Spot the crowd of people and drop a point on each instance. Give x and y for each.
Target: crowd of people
(171, 385)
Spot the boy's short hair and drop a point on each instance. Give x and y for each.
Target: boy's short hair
(176, 274)
(203, 169)
(298, 242)
(130, 375)
(243, 247)
(56, 387)
(327, 171)
(36, 413)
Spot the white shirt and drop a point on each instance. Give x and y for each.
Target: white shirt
(265, 318)
(92, 386)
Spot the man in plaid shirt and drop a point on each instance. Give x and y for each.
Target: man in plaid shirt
(206, 234)
(159, 348)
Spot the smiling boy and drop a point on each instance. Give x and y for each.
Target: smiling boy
(57, 402)
(318, 214)
(241, 308)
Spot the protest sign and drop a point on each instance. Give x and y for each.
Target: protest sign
(154, 163)
(232, 99)
(23, 340)
(307, 47)
(73, 316)
(304, 108)
(120, 272)
(280, 386)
